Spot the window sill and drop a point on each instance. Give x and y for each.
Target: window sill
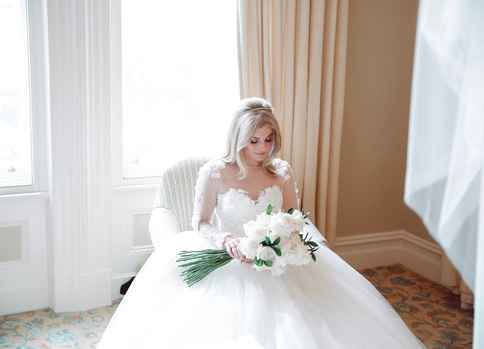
(25, 195)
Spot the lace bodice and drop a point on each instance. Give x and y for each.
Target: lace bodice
(220, 210)
(235, 207)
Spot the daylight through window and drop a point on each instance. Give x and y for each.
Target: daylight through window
(15, 121)
(179, 81)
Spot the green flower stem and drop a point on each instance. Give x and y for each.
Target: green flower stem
(208, 251)
(196, 265)
(201, 258)
(187, 264)
(198, 257)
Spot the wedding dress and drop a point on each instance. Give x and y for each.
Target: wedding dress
(325, 304)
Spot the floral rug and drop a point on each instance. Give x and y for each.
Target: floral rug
(42, 329)
(430, 310)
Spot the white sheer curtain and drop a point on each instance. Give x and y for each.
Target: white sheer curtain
(445, 177)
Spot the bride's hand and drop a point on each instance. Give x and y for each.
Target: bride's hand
(231, 245)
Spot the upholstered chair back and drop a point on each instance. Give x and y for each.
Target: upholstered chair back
(177, 190)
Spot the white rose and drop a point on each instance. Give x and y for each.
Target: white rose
(280, 225)
(255, 231)
(290, 243)
(297, 214)
(266, 253)
(248, 247)
(296, 221)
(263, 219)
(298, 255)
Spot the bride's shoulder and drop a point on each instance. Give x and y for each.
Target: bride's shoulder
(213, 168)
(282, 167)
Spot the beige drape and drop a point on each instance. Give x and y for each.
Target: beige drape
(292, 52)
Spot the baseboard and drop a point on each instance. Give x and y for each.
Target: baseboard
(386, 248)
(92, 290)
(96, 289)
(26, 299)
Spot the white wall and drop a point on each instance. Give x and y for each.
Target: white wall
(130, 240)
(24, 233)
(72, 241)
(23, 270)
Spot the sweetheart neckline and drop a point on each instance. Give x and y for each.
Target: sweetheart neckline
(259, 196)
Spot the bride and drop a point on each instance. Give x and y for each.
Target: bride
(324, 304)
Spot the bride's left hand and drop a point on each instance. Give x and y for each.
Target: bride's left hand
(231, 245)
(246, 260)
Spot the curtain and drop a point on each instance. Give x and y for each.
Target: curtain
(444, 178)
(292, 52)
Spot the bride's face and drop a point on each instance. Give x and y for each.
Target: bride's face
(260, 145)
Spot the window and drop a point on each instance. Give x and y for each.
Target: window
(175, 84)
(15, 104)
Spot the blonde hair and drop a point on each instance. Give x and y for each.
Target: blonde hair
(252, 113)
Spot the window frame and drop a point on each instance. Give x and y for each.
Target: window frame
(116, 105)
(38, 67)
(118, 178)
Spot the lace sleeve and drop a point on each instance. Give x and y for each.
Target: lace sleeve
(206, 189)
(290, 191)
(291, 199)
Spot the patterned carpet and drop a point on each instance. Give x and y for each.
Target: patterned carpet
(430, 310)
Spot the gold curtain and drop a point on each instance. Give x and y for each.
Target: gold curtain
(292, 52)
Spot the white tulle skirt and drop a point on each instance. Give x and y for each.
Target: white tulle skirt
(326, 304)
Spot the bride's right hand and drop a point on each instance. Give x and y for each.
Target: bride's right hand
(231, 245)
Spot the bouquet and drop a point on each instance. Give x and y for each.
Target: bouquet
(273, 241)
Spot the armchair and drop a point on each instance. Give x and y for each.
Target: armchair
(173, 206)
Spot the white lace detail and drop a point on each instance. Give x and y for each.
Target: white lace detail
(284, 170)
(235, 207)
(219, 212)
(209, 170)
(206, 189)
(213, 167)
(261, 193)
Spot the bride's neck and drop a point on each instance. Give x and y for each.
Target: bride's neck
(253, 165)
